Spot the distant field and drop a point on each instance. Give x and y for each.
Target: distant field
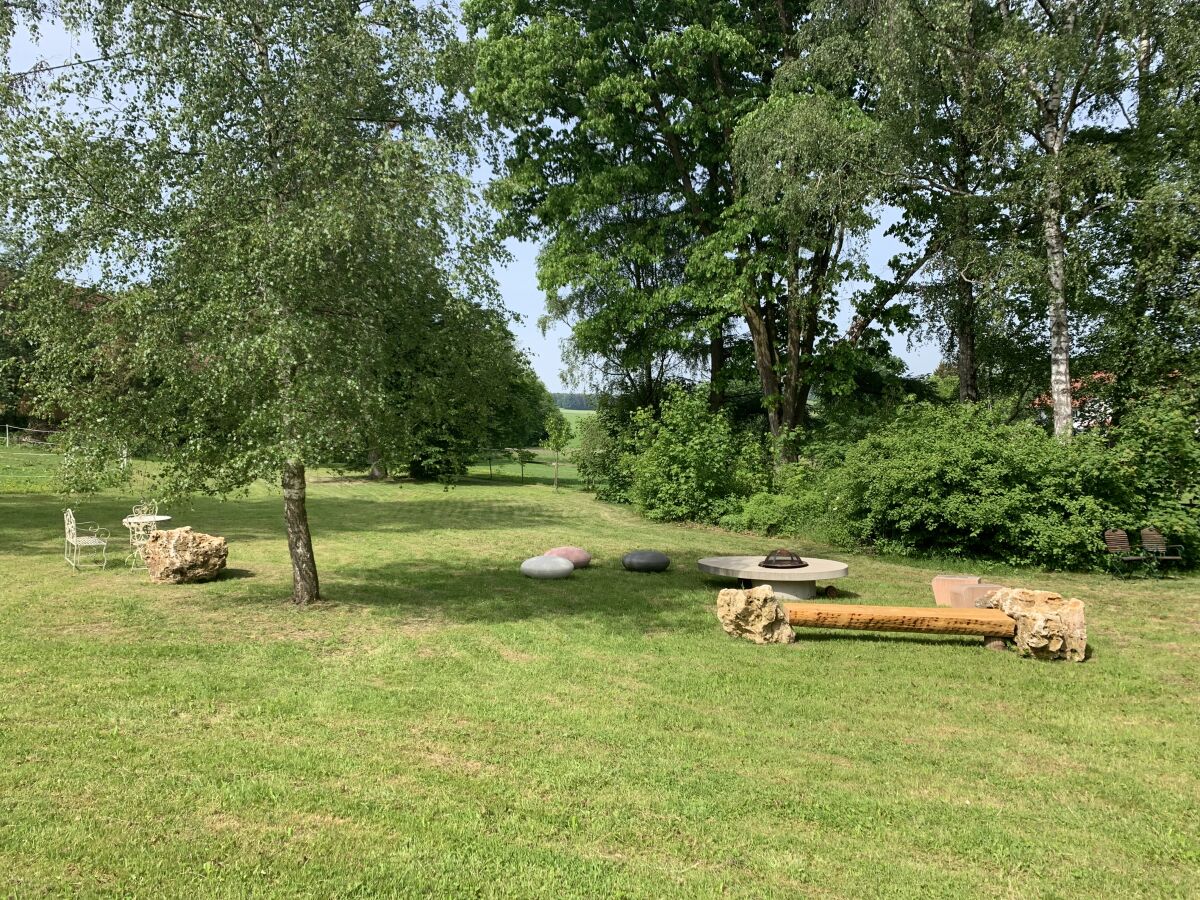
(575, 416)
(27, 469)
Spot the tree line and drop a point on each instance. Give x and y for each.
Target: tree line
(706, 177)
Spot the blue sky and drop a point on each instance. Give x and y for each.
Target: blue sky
(518, 286)
(517, 279)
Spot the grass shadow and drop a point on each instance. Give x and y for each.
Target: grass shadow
(234, 574)
(482, 592)
(887, 637)
(29, 521)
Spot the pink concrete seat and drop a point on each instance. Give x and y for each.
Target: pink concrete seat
(963, 596)
(944, 585)
(579, 557)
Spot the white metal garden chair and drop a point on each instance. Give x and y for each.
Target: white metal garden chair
(94, 537)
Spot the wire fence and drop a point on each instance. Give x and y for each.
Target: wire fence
(15, 435)
(522, 457)
(18, 437)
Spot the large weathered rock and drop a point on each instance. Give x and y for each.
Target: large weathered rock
(181, 556)
(1048, 626)
(754, 615)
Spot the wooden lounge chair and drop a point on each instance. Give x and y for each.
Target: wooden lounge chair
(1116, 542)
(1157, 547)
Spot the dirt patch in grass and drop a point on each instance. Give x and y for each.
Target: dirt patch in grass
(445, 759)
(102, 630)
(505, 651)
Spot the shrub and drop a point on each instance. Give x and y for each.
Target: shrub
(1159, 445)
(768, 514)
(954, 481)
(691, 466)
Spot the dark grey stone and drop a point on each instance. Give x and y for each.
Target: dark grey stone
(646, 561)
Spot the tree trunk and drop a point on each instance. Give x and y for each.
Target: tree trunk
(1060, 330)
(379, 468)
(716, 359)
(305, 587)
(964, 313)
(964, 333)
(764, 362)
(1140, 253)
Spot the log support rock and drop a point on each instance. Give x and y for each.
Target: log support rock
(755, 615)
(1048, 626)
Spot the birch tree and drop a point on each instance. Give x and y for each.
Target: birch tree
(265, 209)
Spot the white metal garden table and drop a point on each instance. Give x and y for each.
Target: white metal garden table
(141, 526)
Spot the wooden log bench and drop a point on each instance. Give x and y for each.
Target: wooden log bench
(990, 623)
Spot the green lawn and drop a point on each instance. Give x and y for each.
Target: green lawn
(497, 469)
(444, 727)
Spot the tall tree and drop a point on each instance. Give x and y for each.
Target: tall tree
(1144, 242)
(1063, 56)
(607, 102)
(271, 202)
(946, 105)
(617, 278)
(811, 164)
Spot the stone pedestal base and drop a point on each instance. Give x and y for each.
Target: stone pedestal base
(754, 615)
(784, 590)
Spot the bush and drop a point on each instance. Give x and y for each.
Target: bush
(690, 466)
(954, 481)
(1159, 446)
(768, 514)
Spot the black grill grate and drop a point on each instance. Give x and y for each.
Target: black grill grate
(783, 559)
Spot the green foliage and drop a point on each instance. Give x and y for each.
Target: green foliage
(767, 513)
(951, 482)
(605, 456)
(690, 464)
(954, 481)
(1160, 443)
(573, 400)
(521, 403)
(279, 224)
(454, 413)
(623, 124)
(559, 432)
(523, 457)
(559, 435)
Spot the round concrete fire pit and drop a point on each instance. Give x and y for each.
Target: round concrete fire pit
(788, 584)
